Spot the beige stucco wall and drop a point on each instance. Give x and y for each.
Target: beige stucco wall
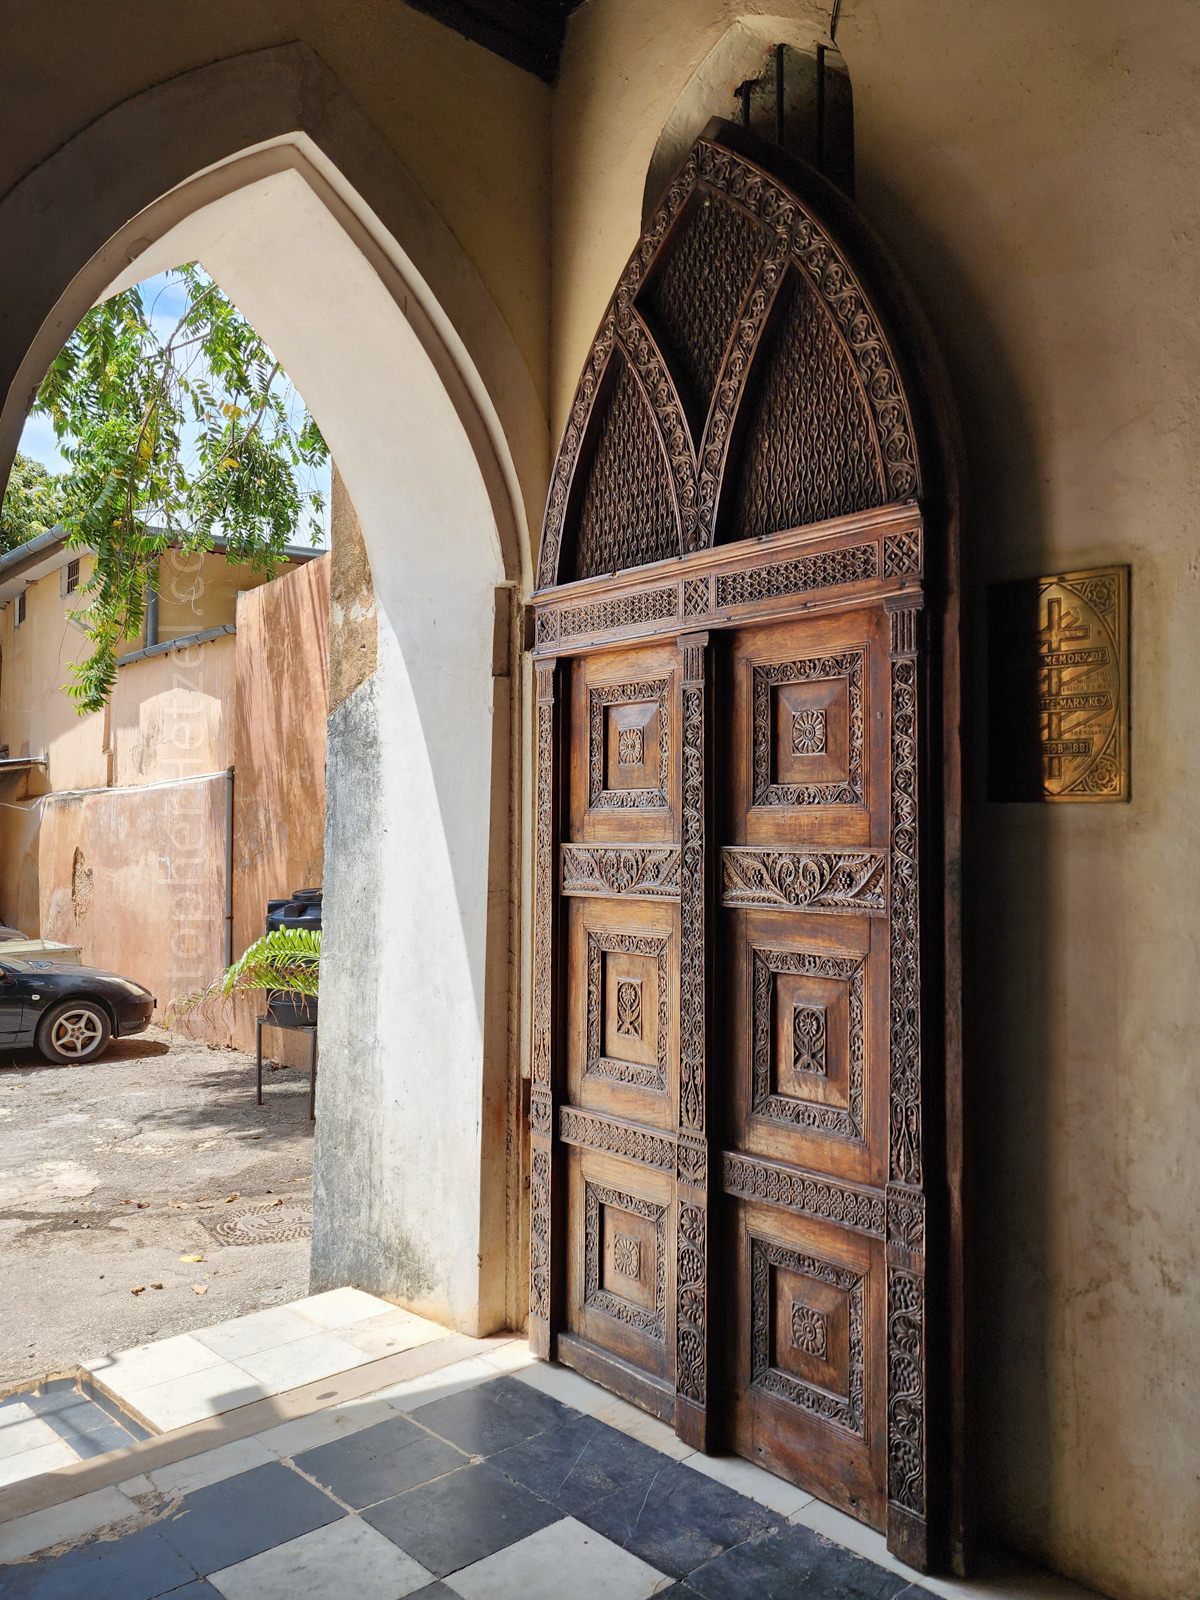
(20, 817)
(146, 904)
(199, 590)
(36, 718)
(1034, 169)
(131, 742)
(170, 715)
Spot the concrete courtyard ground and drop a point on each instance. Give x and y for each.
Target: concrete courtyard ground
(109, 1174)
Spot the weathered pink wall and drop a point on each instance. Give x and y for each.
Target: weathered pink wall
(169, 718)
(279, 761)
(135, 874)
(136, 877)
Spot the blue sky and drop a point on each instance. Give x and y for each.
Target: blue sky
(167, 300)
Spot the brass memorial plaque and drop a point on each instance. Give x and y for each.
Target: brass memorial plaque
(1059, 687)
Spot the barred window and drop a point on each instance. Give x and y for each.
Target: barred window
(72, 576)
(20, 608)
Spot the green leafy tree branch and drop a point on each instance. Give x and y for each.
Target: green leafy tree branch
(169, 441)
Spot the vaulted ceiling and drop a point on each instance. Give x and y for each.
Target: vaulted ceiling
(529, 33)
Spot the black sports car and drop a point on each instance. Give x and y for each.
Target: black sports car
(69, 1013)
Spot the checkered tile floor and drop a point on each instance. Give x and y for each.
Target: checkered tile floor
(494, 1492)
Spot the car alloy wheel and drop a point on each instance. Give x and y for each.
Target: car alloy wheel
(77, 1033)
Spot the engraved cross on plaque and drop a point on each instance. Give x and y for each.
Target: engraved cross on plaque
(1057, 632)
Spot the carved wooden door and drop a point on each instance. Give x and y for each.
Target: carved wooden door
(738, 1218)
(621, 1095)
(804, 974)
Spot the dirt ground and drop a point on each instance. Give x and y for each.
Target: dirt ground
(108, 1175)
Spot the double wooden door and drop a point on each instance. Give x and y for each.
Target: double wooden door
(733, 805)
(729, 1162)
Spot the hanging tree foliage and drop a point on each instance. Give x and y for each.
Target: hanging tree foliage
(34, 502)
(169, 441)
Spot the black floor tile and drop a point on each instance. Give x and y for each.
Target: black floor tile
(138, 1567)
(795, 1563)
(98, 1442)
(494, 1415)
(236, 1519)
(580, 1463)
(434, 1591)
(677, 1520)
(380, 1462)
(460, 1518)
(75, 1417)
(58, 1392)
(201, 1589)
(74, 1411)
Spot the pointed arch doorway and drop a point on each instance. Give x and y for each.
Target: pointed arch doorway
(744, 1111)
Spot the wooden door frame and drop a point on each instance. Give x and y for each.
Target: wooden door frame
(906, 555)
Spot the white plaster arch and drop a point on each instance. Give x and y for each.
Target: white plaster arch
(436, 434)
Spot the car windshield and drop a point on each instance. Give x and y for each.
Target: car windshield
(18, 966)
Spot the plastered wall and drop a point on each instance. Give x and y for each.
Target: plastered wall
(36, 718)
(169, 716)
(279, 765)
(165, 717)
(136, 878)
(1033, 167)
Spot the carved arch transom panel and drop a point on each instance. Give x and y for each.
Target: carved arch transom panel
(740, 384)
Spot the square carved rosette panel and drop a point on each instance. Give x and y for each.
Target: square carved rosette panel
(810, 1342)
(807, 1000)
(808, 705)
(622, 1009)
(620, 1281)
(624, 784)
(808, 731)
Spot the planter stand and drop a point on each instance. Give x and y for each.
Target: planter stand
(310, 1028)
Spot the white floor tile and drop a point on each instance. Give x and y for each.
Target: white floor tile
(213, 1466)
(323, 1427)
(262, 1330)
(756, 1484)
(22, 1429)
(343, 1558)
(208, 1393)
(508, 1355)
(41, 1530)
(43, 1458)
(148, 1364)
(564, 1559)
(430, 1386)
(338, 1308)
(640, 1425)
(134, 1487)
(388, 1335)
(289, 1366)
(560, 1383)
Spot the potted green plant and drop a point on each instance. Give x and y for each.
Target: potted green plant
(285, 964)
